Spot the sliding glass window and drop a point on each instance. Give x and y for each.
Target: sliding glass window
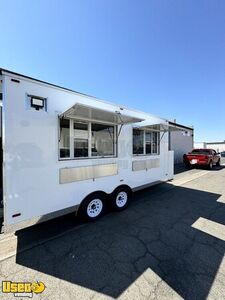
(138, 141)
(148, 142)
(80, 139)
(155, 142)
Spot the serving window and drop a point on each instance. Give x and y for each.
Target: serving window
(145, 142)
(80, 139)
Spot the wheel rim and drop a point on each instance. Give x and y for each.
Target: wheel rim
(121, 199)
(94, 208)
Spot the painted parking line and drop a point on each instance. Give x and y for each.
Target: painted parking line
(150, 284)
(210, 227)
(221, 199)
(188, 177)
(216, 230)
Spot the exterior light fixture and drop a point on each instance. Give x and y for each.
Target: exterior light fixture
(37, 103)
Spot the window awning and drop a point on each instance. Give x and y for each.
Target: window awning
(88, 113)
(160, 127)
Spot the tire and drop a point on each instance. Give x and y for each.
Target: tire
(92, 207)
(218, 163)
(210, 165)
(186, 162)
(120, 198)
(1, 198)
(187, 165)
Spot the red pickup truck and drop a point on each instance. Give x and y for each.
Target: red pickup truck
(202, 157)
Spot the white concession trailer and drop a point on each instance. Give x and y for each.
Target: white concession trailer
(64, 151)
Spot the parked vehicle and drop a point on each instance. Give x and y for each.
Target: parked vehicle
(202, 157)
(64, 151)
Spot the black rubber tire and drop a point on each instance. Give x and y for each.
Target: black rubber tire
(187, 165)
(218, 163)
(186, 162)
(1, 198)
(114, 201)
(83, 209)
(210, 165)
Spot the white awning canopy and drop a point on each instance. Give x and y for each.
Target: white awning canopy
(160, 127)
(93, 114)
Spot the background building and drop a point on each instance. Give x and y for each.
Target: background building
(218, 146)
(200, 145)
(181, 141)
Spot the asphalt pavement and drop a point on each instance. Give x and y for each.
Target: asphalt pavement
(169, 244)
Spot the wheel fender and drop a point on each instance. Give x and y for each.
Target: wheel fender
(97, 193)
(120, 187)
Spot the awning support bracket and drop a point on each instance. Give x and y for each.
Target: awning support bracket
(162, 135)
(164, 131)
(121, 125)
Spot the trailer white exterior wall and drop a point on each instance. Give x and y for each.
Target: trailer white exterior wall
(32, 171)
(181, 142)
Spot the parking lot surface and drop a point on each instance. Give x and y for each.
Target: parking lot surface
(169, 244)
